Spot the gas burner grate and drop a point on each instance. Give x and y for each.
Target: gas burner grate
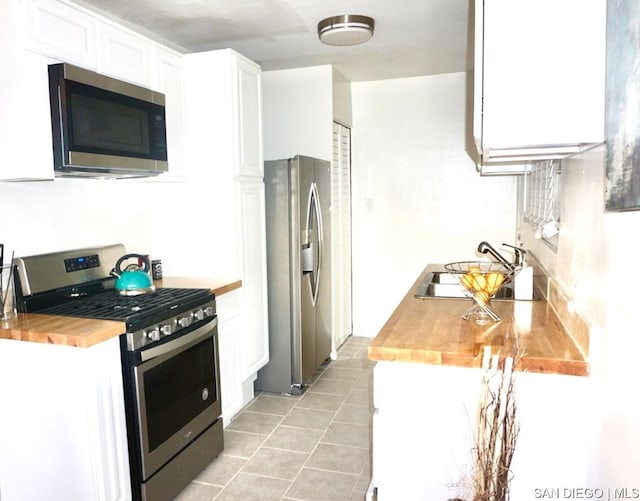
(110, 305)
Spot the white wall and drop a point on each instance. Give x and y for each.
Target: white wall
(619, 455)
(342, 110)
(297, 113)
(416, 196)
(64, 214)
(177, 222)
(595, 264)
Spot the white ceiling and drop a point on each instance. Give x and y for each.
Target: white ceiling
(412, 37)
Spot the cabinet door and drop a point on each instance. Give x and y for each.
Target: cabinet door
(540, 70)
(82, 416)
(223, 103)
(251, 201)
(249, 119)
(170, 83)
(61, 31)
(25, 136)
(124, 55)
(209, 113)
(229, 346)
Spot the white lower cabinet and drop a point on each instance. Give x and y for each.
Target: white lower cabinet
(424, 424)
(236, 386)
(62, 424)
(228, 307)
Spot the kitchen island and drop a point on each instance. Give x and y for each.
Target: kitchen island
(62, 423)
(427, 384)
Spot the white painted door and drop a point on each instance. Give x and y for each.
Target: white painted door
(341, 224)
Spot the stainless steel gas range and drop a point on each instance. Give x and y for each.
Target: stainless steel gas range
(169, 356)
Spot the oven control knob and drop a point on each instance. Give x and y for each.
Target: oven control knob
(185, 321)
(198, 314)
(166, 330)
(153, 334)
(208, 311)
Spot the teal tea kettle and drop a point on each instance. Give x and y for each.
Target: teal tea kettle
(134, 279)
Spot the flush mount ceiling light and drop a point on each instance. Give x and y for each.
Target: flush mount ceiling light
(346, 29)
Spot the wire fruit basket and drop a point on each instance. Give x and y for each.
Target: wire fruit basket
(483, 280)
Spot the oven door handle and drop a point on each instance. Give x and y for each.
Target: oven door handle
(175, 344)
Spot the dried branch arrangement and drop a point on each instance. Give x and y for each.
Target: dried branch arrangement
(497, 431)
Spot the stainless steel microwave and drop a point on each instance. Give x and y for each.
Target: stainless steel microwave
(103, 127)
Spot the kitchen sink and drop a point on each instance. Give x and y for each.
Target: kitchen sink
(440, 284)
(442, 277)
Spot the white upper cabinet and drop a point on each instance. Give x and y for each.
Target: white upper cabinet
(25, 136)
(223, 100)
(169, 76)
(74, 35)
(61, 31)
(249, 104)
(50, 31)
(539, 78)
(125, 55)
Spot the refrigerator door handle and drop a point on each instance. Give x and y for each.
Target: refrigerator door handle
(320, 235)
(312, 242)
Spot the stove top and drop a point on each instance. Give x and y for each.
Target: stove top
(78, 283)
(110, 305)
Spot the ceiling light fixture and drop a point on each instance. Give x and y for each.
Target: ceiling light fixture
(346, 29)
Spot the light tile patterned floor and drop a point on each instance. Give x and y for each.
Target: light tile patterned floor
(303, 448)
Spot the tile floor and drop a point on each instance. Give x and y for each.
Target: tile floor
(304, 448)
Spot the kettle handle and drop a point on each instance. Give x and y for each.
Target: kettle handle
(146, 265)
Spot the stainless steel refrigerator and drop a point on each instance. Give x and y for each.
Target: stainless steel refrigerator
(298, 197)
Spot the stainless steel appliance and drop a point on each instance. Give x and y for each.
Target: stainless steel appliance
(298, 272)
(169, 356)
(105, 127)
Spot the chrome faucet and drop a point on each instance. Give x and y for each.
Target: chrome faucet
(485, 247)
(519, 252)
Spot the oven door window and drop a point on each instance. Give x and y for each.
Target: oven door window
(177, 390)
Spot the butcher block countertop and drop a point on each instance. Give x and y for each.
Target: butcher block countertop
(85, 332)
(432, 331)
